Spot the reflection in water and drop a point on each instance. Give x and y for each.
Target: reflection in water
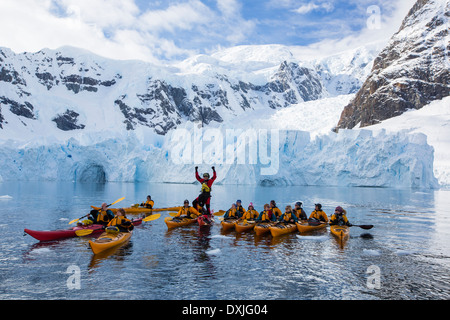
(410, 243)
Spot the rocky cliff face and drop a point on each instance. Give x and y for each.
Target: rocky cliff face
(410, 72)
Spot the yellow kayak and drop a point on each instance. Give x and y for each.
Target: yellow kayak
(244, 225)
(171, 223)
(304, 226)
(109, 240)
(342, 233)
(281, 228)
(228, 224)
(262, 228)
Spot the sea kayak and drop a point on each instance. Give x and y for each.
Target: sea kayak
(342, 233)
(281, 228)
(228, 224)
(244, 225)
(175, 222)
(51, 235)
(262, 228)
(304, 226)
(109, 240)
(134, 210)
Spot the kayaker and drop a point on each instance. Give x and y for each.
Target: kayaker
(250, 214)
(318, 214)
(187, 211)
(102, 216)
(231, 213)
(339, 217)
(299, 212)
(239, 208)
(275, 210)
(121, 221)
(288, 216)
(266, 215)
(149, 203)
(205, 196)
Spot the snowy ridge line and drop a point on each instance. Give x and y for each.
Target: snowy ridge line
(349, 158)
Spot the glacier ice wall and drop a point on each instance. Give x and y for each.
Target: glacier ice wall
(347, 158)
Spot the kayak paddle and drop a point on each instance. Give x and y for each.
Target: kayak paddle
(365, 227)
(152, 217)
(83, 232)
(75, 220)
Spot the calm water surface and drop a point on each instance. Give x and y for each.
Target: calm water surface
(409, 246)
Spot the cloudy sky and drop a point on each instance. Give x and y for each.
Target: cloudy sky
(161, 31)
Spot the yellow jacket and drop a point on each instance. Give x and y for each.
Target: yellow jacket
(121, 222)
(231, 213)
(277, 212)
(190, 212)
(335, 219)
(148, 204)
(250, 214)
(319, 215)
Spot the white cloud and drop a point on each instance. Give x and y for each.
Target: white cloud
(389, 25)
(312, 6)
(119, 29)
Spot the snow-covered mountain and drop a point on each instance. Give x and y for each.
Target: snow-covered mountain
(52, 91)
(260, 114)
(412, 71)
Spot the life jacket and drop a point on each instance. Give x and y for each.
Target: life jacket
(103, 216)
(206, 188)
(241, 210)
(250, 214)
(266, 215)
(339, 220)
(276, 212)
(232, 213)
(148, 204)
(287, 216)
(301, 214)
(189, 212)
(319, 215)
(121, 222)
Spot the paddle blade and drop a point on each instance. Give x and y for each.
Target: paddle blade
(366, 227)
(173, 214)
(118, 200)
(219, 213)
(152, 217)
(83, 232)
(74, 220)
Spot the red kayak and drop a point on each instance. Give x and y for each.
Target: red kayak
(69, 233)
(204, 220)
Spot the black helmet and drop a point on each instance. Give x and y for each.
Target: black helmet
(299, 203)
(318, 205)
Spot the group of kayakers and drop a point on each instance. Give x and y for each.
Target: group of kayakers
(201, 208)
(272, 213)
(106, 217)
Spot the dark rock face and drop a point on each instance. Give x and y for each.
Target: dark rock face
(410, 72)
(68, 121)
(20, 109)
